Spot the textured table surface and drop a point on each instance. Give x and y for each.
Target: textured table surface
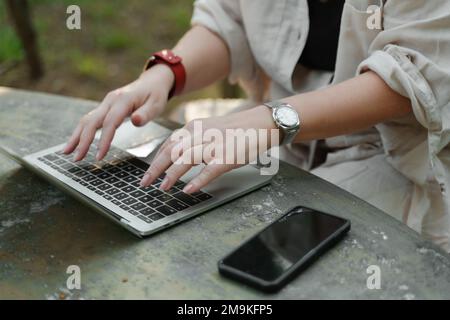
(43, 231)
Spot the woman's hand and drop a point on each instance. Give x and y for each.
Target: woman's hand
(144, 99)
(221, 143)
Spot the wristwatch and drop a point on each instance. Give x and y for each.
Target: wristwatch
(286, 118)
(175, 63)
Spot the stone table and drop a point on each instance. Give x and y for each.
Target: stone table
(43, 231)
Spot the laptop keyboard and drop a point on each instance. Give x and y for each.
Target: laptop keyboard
(116, 178)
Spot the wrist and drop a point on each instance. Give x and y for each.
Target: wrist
(262, 119)
(162, 73)
(263, 116)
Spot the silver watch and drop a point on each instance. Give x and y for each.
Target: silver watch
(286, 118)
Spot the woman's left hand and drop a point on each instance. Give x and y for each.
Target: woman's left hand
(221, 143)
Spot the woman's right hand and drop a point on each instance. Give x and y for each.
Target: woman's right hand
(143, 100)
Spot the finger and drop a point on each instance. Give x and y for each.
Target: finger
(73, 140)
(170, 150)
(117, 113)
(174, 172)
(86, 137)
(208, 174)
(179, 167)
(148, 111)
(159, 164)
(94, 121)
(95, 115)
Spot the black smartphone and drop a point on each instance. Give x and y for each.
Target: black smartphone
(274, 256)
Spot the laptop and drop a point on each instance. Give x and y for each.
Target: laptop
(111, 186)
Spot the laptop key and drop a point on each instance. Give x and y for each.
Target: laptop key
(96, 182)
(130, 179)
(138, 206)
(154, 203)
(129, 201)
(129, 168)
(89, 178)
(51, 157)
(112, 191)
(180, 184)
(124, 207)
(121, 196)
(177, 204)
(137, 184)
(146, 199)
(121, 174)
(112, 180)
(166, 210)
(104, 175)
(137, 172)
(186, 198)
(104, 187)
(90, 167)
(155, 192)
(59, 162)
(146, 211)
(137, 194)
(144, 218)
(156, 216)
(113, 170)
(164, 197)
(107, 197)
(133, 212)
(128, 189)
(81, 173)
(74, 169)
(67, 166)
(99, 192)
(146, 189)
(120, 184)
(204, 196)
(97, 172)
(138, 163)
(172, 190)
(121, 164)
(116, 202)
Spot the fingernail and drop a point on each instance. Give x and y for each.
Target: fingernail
(188, 189)
(165, 184)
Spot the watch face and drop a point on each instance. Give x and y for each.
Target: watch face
(287, 116)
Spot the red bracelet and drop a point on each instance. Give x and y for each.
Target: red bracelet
(174, 62)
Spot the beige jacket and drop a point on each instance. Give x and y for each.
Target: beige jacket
(411, 52)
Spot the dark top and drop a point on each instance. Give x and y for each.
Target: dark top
(322, 42)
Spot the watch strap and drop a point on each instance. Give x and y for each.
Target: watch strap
(175, 63)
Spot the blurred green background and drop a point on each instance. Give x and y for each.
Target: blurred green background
(116, 38)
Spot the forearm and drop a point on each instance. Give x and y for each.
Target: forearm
(205, 58)
(348, 107)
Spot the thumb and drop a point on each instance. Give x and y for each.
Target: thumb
(148, 111)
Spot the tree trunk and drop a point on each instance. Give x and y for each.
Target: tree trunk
(20, 16)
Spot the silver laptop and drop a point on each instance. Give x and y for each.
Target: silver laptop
(111, 186)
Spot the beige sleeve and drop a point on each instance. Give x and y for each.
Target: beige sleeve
(224, 18)
(412, 55)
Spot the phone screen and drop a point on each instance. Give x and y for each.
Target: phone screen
(286, 241)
